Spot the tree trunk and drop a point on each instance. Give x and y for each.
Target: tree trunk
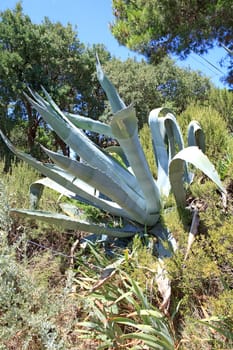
(5, 153)
(33, 123)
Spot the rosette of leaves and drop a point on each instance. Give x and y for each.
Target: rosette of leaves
(123, 188)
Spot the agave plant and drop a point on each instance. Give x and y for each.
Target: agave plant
(129, 189)
(124, 188)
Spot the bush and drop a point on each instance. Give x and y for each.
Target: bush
(218, 140)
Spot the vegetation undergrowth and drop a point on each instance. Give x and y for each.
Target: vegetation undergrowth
(64, 301)
(63, 290)
(60, 291)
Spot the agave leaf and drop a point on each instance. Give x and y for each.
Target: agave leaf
(115, 101)
(127, 199)
(89, 124)
(160, 150)
(175, 140)
(166, 136)
(83, 146)
(196, 157)
(77, 120)
(196, 135)
(67, 181)
(174, 135)
(124, 127)
(49, 170)
(79, 190)
(36, 189)
(69, 223)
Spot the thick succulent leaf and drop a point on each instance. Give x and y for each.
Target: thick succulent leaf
(68, 223)
(167, 138)
(127, 199)
(125, 129)
(98, 159)
(58, 175)
(196, 135)
(158, 133)
(37, 187)
(196, 157)
(115, 101)
(79, 190)
(69, 182)
(82, 145)
(175, 141)
(89, 124)
(174, 135)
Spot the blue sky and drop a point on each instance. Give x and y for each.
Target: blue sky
(92, 18)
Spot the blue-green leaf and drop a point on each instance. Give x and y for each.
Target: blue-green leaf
(127, 199)
(67, 222)
(89, 124)
(115, 101)
(125, 129)
(196, 157)
(196, 135)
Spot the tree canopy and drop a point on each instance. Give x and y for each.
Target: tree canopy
(159, 27)
(151, 86)
(49, 55)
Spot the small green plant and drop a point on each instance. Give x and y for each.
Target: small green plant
(26, 311)
(119, 313)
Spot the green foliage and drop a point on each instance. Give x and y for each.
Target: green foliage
(222, 306)
(46, 54)
(222, 101)
(117, 306)
(202, 282)
(118, 312)
(27, 315)
(221, 247)
(157, 28)
(217, 138)
(15, 191)
(147, 146)
(216, 124)
(149, 86)
(16, 181)
(26, 309)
